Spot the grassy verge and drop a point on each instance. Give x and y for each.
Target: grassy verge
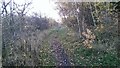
(78, 54)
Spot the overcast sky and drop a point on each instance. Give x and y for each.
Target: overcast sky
(45, 7)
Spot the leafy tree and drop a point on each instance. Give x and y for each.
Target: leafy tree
(77, 16)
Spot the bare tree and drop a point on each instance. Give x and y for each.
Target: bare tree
(4, 6)
(22, 12)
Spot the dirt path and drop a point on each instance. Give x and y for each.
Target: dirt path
(59, 53)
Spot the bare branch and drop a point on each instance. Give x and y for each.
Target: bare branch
(22, 11)
(4, 6)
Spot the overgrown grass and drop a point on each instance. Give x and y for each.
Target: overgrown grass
(77, 53)
(80, 55)
(93, 57)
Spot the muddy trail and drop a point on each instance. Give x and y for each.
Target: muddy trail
(59, 53)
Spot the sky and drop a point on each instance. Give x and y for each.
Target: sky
(43, 7)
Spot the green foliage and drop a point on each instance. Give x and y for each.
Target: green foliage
(93, 57)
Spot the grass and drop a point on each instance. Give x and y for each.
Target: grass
(67, 39)
(78, 54)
